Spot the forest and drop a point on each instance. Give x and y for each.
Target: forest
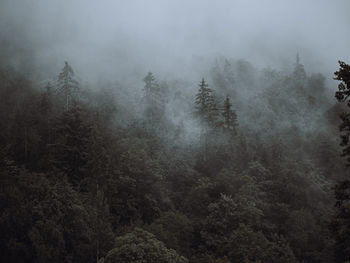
(90, 176)
(174, 132)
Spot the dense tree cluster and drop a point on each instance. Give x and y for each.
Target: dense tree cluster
(341, 221)
(222, 175)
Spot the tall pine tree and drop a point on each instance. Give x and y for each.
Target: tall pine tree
(154, 100)
(206, 108)
(230, 117)
(68, 86)
(73, 139)
(341, 221)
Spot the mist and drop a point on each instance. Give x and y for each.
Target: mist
(115, 38)
(174, 131)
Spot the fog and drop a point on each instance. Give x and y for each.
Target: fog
(174, 131)
(116, 38)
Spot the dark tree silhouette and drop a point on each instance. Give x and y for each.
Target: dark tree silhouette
(154, 99)
(206, 108)
(67, 84)
(342, 95)
(230, 117)
(341, 222)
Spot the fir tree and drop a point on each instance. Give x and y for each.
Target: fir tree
(154, 99)
(68, 86)
(230, 117)
(299, 75)
(151, 85)
(340, 224)
(206, 108)
(73, 138)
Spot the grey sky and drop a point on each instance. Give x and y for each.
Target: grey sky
(165, 35)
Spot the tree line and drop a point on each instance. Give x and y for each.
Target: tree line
(79, 185)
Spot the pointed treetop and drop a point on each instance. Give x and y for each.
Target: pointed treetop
(297, 59)
(67, 85)
(149, 77)
(202, 84)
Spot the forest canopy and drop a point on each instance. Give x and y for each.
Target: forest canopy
(167, 132)
(204, 178)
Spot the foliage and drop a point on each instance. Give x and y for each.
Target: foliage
(340, 223)
(141, 246)
(138, 167)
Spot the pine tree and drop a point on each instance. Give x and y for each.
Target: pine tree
(340, 224)
(73, 136)
(206, 108)
(151, 85)
(299, 75)
(154, 99)
(68, 86)
(230, 117)
(342, 95)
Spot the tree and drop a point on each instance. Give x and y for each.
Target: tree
(67, 84)
(46, 100)
(72, 144)
(175, 230)
(340, 224)
(206, 108)
(342, 95)
(141, 246)
(43, 219)
(299, 71)
(230, 117)
(151, 85)
(154, 99)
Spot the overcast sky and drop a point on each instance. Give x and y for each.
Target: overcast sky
(164, 35)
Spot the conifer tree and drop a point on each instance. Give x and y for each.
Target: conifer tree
(73, 135)
(154, 99)
(151, 85)
(206, 108)
(68, 86)
(342, 95)
(230, 117)
(340, 224)
(299, 74)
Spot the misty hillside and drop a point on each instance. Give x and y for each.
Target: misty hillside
(174, 131)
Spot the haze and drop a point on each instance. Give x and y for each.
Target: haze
(117, 38)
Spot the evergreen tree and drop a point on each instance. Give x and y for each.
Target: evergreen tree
(154, 99)
(299, 70)
(230, 117)
(206, 108)
(68, 86)
(151, 85)
(299, 75)
(141, 246)
(342, 95)
(73, 135)
(341, 221)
